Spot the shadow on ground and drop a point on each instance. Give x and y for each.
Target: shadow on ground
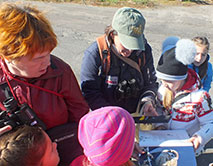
(206, 158)
(198, 2)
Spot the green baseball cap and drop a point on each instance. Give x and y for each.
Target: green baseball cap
(129, 24)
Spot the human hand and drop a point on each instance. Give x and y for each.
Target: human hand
(148, 109)
(137, 150)
(195, 142)
(5, 129)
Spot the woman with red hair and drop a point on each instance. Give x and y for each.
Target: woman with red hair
(33, 75)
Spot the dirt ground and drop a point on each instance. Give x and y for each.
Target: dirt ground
(77, 26)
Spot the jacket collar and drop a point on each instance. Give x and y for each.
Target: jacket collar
(52, 71)
(192, 81)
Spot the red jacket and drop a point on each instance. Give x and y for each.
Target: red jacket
(50, 108)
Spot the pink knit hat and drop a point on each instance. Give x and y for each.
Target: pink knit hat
(107, 136)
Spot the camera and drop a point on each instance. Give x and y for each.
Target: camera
(16, 115)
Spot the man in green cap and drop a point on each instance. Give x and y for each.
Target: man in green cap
(117, 69)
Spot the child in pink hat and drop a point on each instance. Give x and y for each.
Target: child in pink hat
(107, 137)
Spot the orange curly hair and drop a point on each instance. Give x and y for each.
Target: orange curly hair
(24, 31)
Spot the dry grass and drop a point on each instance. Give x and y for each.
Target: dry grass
(139, 3)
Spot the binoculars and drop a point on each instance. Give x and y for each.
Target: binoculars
(16, 115)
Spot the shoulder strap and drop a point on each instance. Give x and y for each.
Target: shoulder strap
(128, 61)
(104, 53)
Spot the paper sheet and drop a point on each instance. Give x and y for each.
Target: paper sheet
(164, 138)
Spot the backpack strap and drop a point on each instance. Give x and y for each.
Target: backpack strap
(144, 58)
(104, 53)
(141, 59)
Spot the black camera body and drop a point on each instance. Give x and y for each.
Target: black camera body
(16, 115)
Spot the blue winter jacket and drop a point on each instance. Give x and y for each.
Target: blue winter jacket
(206, 81)
(100, 90)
